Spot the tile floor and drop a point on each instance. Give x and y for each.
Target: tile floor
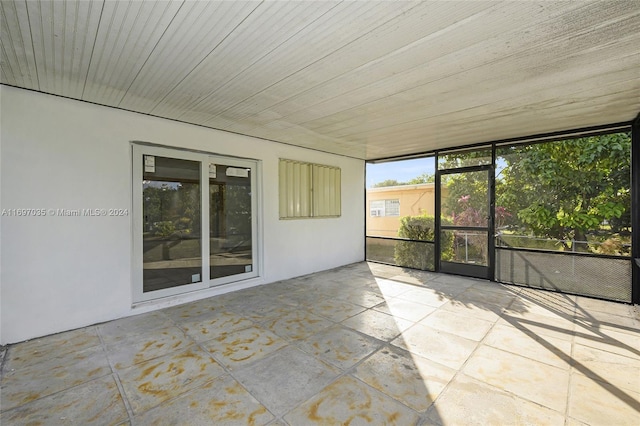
(361, 344)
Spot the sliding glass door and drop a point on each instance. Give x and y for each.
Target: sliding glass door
(230, 220)
(194, 221)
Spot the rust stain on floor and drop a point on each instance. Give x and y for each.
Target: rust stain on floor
(147, 345)
(188, 354)
(393, 417)
(25, 397)
(313, 411)
(233, 390)
(94, 372)
(148, 371)
(148, 388)
(252, 417)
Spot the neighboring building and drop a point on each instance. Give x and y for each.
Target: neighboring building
(386, 205)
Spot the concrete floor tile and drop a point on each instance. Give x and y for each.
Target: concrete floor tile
(280, 340)
(208, 326)
(415, 277)
(153, 382)
(425, 296)
(378, 324)
(489, 313)
(153, 344)
(483, 297)
(618, 370)
(365, 298)
(524, 377)
(587, 306)
(389, 288)
(574, 422)
(237, 348)
(63, 345)
(260, 309)
(626, 344)
(558, 328)
(286, 378)
(406, 377)
(604, 321)
(349, 279)
(21, 386)
(124, 328)
(349, 401)
(339, 346)
(600, 403)
(97, 402)
(454, 281)
(220, 402)
(305, 298)
(469, 402)
(194, 309)
(546, 303)
(335, 310)
(405, 309)
(550, 350)
(439, 346)
(297, 325)
(494, 287)
(457, 324)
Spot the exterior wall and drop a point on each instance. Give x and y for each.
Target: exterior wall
(60, 273)
(414, 200)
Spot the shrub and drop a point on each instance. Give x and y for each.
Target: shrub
(417, 255)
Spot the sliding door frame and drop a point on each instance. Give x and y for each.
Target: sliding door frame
(139, 150)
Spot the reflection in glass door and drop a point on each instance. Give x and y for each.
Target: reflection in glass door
(465, 222)
(194, 221)
(230, 220)
(171, 236)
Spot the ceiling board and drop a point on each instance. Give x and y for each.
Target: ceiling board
(365, 79)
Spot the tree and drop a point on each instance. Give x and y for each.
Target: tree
(566, 189)
(423, 178)
(388, 182)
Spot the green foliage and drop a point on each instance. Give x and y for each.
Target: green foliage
(172, 209)
(420, 255)
(467, 190)
(423, 178)
(474, 157)
(565, 190)
(388, 182)
(164, 229)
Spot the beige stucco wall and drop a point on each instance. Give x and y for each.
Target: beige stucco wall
(414, 200)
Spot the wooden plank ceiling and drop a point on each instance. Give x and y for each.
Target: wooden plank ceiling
(367, 79)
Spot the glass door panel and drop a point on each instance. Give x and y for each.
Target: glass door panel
(230, 220)
(171, 234)
(465, 222)
(465, 246)
(194, 221)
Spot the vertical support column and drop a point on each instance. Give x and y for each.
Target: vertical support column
(436, 220)
(635, 206)
(366, 210)
(491, 239)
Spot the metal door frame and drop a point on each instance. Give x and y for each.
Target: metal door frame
(476, 271)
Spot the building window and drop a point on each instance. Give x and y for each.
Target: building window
(381, 208)
(309, 190)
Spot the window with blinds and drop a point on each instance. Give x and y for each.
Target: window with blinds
(309, 190)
